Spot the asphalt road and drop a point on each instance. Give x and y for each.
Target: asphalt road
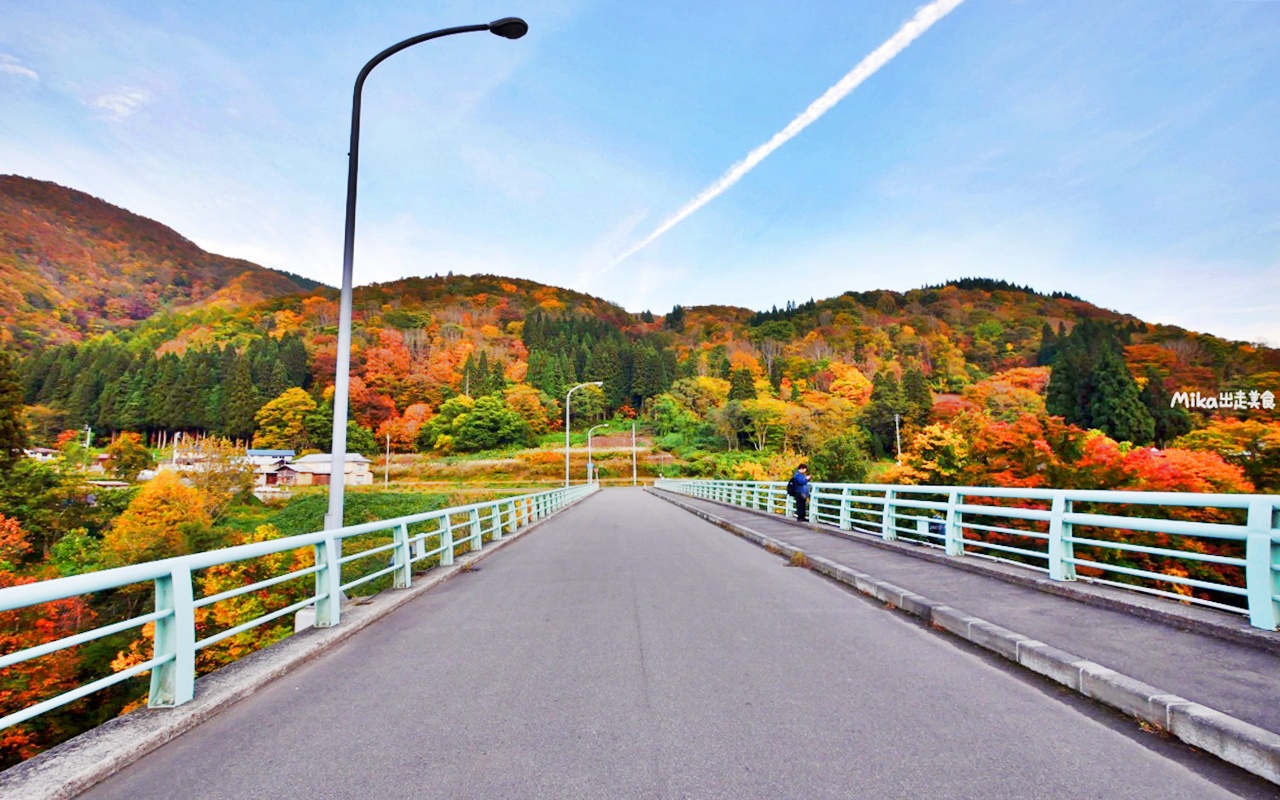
(627, 649)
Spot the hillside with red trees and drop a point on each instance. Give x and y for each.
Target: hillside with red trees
(72, 266)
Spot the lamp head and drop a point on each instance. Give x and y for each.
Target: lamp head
(509, 27)
(597, 383)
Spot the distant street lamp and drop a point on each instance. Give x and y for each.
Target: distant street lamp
(566, 425)
(508, 28)
(589, 432)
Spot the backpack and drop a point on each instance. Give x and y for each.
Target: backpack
(791, 486)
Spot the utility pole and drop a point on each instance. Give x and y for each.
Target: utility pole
(633, 453)
(386, 467)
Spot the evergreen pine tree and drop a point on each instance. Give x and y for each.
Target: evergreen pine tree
(36, 371)
(1170, 421)
(1048, 346)
(1117, 406)
(278, 380)
(293, 354)
(741, 385)
(242, 403)
(647, 379)
(131, 414)
(497, 376)
(480, 376)
(167, 399)
(85, 387)
(916, 396)
(878, 417)
(1091, 387)
(13, 434)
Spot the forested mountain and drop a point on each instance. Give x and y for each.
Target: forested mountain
(72, 266)
(198, 351)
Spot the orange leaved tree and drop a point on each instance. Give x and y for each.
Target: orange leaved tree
(35, 680)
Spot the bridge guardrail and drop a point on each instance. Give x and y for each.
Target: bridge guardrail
(1228, 560)
(173, 661)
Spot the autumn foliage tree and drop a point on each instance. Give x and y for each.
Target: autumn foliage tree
(34, 680)
(281, 421)
(157, 522)
(238, 610)
(129, 456)
(1253, 445)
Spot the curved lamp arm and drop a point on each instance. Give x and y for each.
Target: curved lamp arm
(508, 28)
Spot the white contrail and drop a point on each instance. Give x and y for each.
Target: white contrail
(908, 33)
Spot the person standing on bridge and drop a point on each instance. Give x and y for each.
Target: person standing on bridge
(798, 488)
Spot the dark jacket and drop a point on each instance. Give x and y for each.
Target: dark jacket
(801, 482)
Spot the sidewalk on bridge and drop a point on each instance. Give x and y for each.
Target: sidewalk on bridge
(1201, 655)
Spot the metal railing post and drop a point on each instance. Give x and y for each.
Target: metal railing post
(1262, 556)
(954, 531)
(403, 574)
(420, 547)
(1061, 550)
(328, 583)
(846, 516)
(889, 517)
(174, 682)
(446, 541)
(477, 531)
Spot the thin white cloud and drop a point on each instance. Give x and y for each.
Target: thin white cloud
(121, 104)
(12, 66)
(924, 19)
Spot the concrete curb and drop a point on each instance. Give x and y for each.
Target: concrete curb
(77, 764)
(1247, 746)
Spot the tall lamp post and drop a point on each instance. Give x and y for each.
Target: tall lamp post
(508, 28)
(590, 431)
(566, 425)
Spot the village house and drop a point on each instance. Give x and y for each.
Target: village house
(277, 474)
(266, 458)
(313, 470)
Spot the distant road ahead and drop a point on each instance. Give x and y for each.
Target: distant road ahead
(627, 649)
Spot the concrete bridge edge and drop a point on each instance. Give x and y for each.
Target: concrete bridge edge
(77, 764)
(1247, 746)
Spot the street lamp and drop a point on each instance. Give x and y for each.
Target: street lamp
(566, 425)
(508, 28)
(589, 432)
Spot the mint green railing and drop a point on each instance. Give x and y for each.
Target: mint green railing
(173, 661)
(979, 520)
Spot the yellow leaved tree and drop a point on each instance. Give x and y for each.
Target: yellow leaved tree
(156, 523)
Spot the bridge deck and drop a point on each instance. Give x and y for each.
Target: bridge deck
(1234, 677)
(630, 649)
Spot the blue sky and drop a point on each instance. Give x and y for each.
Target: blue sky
(1127, 152)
